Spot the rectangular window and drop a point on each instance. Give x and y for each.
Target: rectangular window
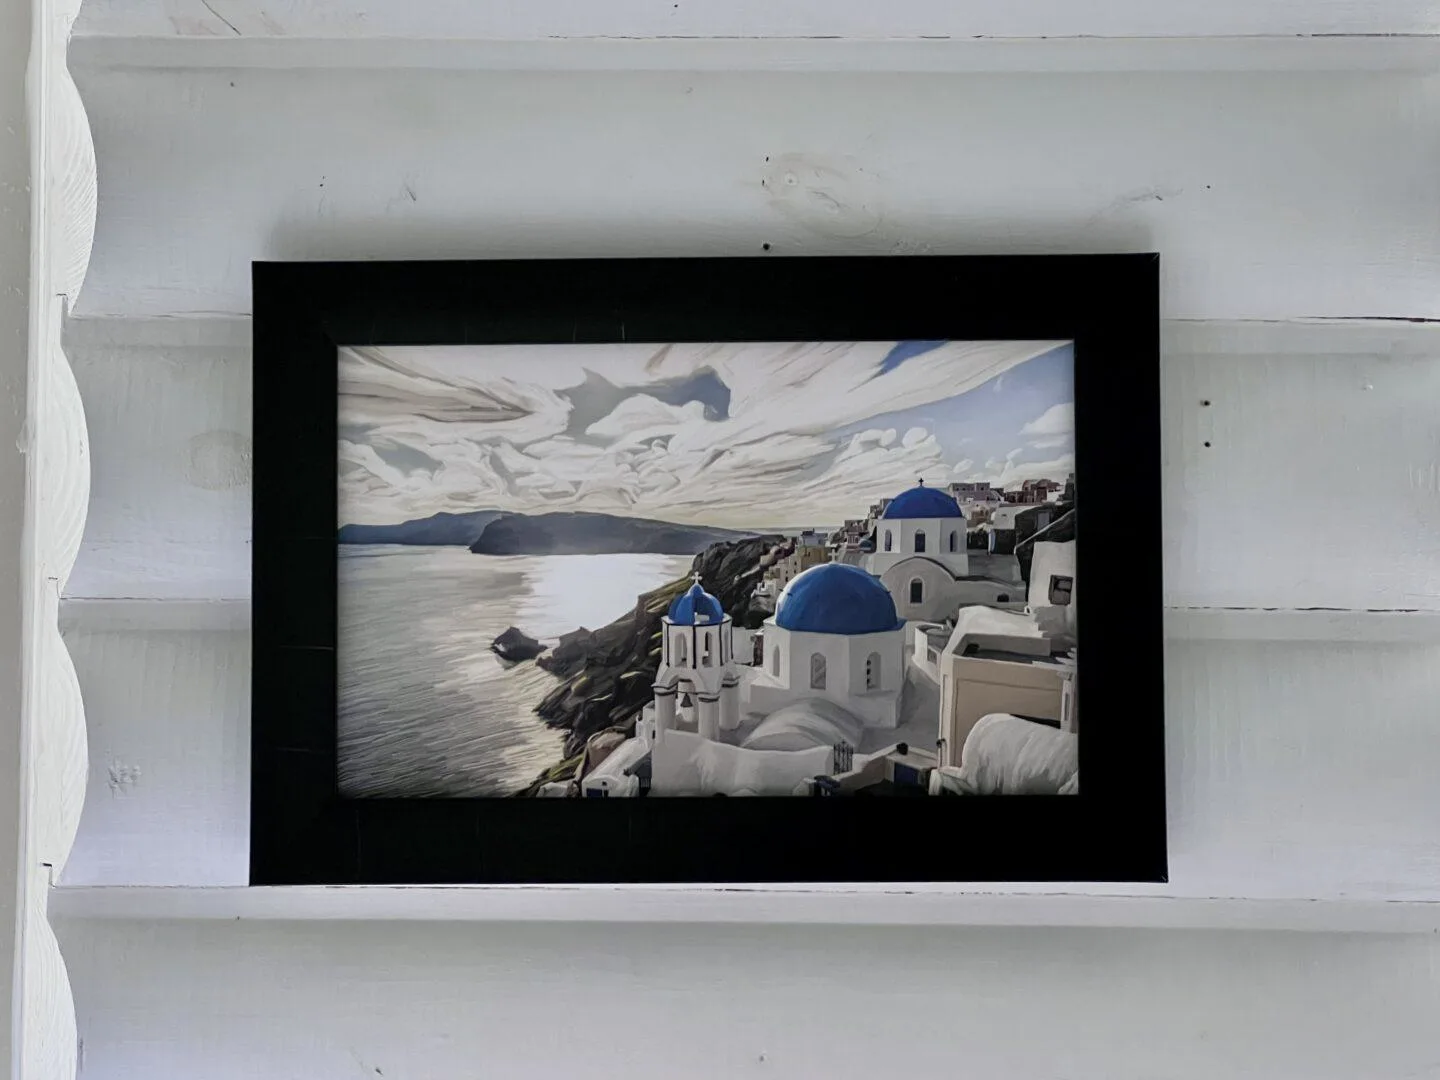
(1060, 589)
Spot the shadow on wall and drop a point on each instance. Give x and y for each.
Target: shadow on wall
(613, 234)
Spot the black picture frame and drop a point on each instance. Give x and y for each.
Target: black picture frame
(303, 832)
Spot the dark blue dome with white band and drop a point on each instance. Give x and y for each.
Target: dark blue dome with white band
(922, 502)
(696, 607)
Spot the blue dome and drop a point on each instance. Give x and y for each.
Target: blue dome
(922, 502)
(696, 607)
(835, 598)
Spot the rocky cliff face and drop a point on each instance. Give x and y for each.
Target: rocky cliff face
(609, 672)
(582, 533)
(438, 529)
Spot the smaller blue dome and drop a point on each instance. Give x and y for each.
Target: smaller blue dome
(696, 607)
(922, 502)
(836, 598)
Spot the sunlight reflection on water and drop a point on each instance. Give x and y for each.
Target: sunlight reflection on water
(425, 708)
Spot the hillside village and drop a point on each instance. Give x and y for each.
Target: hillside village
(926, 648)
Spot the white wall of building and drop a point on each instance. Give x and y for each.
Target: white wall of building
(904, 534)
(685, 764)
(941, 595)
(794, 654)
(1004, 516)
(1050, 560)
(936, 589)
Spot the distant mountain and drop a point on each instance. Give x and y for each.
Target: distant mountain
(436, 530)
(579, 533)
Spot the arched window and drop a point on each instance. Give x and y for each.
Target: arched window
(775, 660)
(680, 657)
(917, 591)
(707, 658)
(919, 541)
(872, 671)
(952, 539)
(817, 671)
(887, 539)
(1003, 598)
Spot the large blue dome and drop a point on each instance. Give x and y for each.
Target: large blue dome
(696, 607)
(835, 598)
(922, 502)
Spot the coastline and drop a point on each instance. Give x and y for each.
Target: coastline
(606, 679)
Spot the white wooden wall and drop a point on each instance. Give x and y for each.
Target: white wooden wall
(1288, 176)
(14, 310)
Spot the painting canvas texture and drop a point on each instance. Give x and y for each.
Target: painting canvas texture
(661, 570)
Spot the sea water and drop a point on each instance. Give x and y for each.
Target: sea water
(425, 708)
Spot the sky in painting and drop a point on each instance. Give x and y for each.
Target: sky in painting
(741, 435)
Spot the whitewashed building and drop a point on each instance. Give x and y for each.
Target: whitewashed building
(835, 635)
(922, 522)
(921, 560)
(1051, 596)
(697, 680)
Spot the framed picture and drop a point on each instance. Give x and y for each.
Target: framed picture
(707, 570)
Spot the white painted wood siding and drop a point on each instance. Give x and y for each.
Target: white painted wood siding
(1253, 731)
(405, 1001)
(1270, 197)
(757, 19)
(1292, 210)
(1310, 480)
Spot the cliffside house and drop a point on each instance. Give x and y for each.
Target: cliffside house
(1013, 522)
(806, 551)
(1034, 491)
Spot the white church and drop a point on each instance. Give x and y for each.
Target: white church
(835, 635)
(698, 684)
(833, 676)
(920, 557)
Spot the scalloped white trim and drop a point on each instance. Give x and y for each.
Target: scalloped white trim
(63, 202)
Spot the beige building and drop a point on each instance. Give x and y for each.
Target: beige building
(796, 563)
(990, 681)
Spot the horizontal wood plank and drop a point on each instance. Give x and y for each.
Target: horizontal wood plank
(1294, 769)
(1181, 623)
(749, 18)
(1269, 196)
(1300, 624)
(837, 905)
(1307, 481)
(168, 719)
(1409, 52)
(227, 1000)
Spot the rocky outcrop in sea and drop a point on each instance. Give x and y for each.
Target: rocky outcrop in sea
(516, 645)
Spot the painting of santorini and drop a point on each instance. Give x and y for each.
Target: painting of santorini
(644, 571)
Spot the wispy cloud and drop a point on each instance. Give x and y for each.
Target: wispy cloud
(501, 424)
(1012, 472)
(1056, 420)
